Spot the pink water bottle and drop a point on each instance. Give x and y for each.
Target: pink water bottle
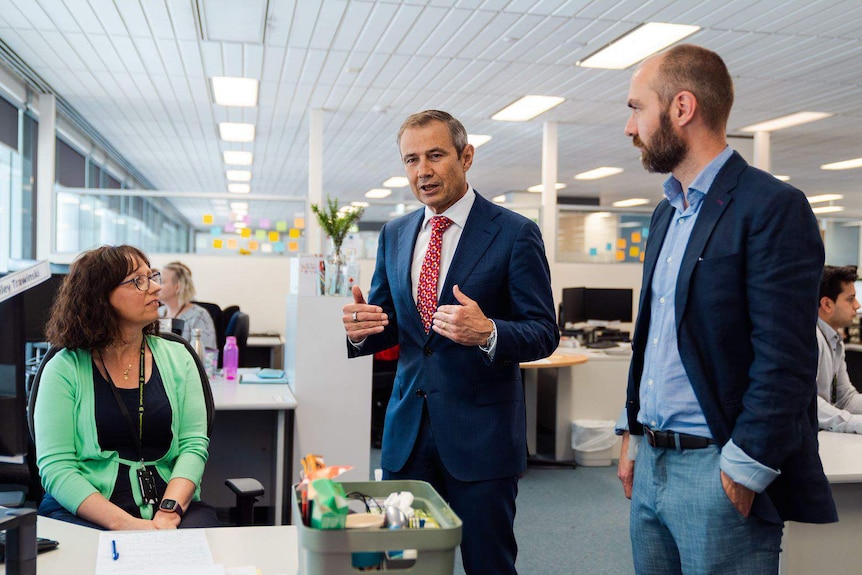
(230, 358)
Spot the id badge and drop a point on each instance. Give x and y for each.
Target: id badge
(148, 485)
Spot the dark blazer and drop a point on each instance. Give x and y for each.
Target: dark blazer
(746, 312)
(476, 405)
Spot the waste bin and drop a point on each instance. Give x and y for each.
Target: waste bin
(593, 442)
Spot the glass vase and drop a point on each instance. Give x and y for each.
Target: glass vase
(334, 272)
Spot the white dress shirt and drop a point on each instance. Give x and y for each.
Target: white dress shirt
(845, 414)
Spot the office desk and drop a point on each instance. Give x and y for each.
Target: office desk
(831, 548)
(584, 384)
(265, 351)
(235, 446)
(272, 549)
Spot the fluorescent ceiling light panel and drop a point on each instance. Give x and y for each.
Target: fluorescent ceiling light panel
(239, 206)
(781, 178)
(396, 182)
(825, 198)
(233, 132)
(845, 165)
(643, 41)
(827, 209)
(238, 188)
(630, 203)
(238, 175)
(477, 140)
(599, 173)
(501, 199)
(378, 193)
(538, 188)
(527, 108)
(360, 204)
(235, 91)
(786, 121)
(237, 158)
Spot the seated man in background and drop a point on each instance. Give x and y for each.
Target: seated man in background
(839, 405)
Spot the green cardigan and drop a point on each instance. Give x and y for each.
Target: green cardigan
(72, 464)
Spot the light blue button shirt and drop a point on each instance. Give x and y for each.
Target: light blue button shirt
(667, 399)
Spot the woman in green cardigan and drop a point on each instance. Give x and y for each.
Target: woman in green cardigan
(120, 418)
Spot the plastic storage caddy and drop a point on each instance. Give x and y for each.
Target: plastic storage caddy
(329, 552)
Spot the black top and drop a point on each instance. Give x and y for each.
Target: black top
(114, 433)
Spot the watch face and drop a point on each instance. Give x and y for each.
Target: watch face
(168, 505)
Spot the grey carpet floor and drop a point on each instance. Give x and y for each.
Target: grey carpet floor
(569, 521)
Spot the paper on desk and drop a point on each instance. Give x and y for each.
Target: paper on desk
(185, 552)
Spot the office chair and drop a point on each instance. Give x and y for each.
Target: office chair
(239, 328)
(247, 490)
(218, 320)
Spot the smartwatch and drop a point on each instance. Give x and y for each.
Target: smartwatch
(171, 506)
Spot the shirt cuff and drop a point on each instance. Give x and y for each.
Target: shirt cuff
(490, 348)
(745, 470)
(622, 424)
(357, 345)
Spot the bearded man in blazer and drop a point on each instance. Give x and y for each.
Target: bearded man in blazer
(721, 397)
(456, 417)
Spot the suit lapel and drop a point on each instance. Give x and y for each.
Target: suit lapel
(478, 233)
(714, 204)
(405, 243)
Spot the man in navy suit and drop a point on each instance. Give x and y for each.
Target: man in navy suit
(721, 396)
(456, 415)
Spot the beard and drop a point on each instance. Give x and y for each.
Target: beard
(666, 149)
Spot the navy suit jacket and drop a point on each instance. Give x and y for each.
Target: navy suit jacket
(476, 405)
(746, 312)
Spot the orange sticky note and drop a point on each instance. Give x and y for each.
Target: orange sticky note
(299, 223)
(621, 243)
(245, 232)
(636, 237)
(232, 244)
(273, 236)
(252, 245)
(293, 246)
(621, 255)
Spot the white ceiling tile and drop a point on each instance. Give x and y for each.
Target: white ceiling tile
(159, 19)
(190, 52)
(128, 53)
(232, 59)
(183, 21)
(252, 61)
(211, 55)
(134, 18)
(280, 21)
(149, 55)
(376, 26)
(59, 14)
(328, 21)
(35, 16)
(169, 56)
(352, 24)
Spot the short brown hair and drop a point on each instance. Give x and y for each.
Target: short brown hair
(82, 316)
(701, 72)
(422, 119)
(833, 279)
(186, 292)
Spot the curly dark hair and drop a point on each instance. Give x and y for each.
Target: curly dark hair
(82, 316)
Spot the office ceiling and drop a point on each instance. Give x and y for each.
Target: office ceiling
(138, 71)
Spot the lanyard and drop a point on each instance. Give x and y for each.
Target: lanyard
(137, 435)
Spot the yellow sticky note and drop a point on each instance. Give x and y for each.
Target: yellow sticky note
(621, 243)
(245, 232)
(208, 219)
(253, 245)
(294, 233)
(642, 256)
(232, 244)
(299, 223)
(273, 236)
(293, 246)
(634, 251)
(636, 237)
(621, 255)
(217, 244)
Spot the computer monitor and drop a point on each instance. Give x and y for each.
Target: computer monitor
(572, 307)
(13, 400)
(605, 304)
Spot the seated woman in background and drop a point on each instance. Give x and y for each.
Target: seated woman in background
(178, 291)
(120, 417)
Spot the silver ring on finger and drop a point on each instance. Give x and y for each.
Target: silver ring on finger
(355, 319)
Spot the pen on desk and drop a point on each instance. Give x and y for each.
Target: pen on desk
(114, 553)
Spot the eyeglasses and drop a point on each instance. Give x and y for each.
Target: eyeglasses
(143, 282)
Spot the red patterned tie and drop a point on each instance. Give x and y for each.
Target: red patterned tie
(426, 300)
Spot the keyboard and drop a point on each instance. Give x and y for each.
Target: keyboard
(602, 344)
(42, 544)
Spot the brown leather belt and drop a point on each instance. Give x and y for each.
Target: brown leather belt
(672, 439)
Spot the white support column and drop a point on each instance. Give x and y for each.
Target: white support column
(762, 152)
(45, 176)
(313, 233)
(549, 190)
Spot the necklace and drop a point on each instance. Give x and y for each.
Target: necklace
(126, 372)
